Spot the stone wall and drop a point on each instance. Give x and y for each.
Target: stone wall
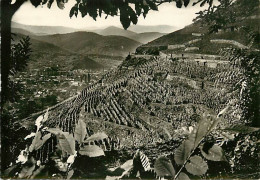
(232, 42)
(192, 48)
(176, 46)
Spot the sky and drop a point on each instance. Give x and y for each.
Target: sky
(167, 14)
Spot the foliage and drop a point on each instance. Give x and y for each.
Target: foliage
(91, 151)
(20, 54)
(80, 131)
(63, 149)
(184, 157)
(196, 166)
(226, 14)
(128, 10)
(248, 63)
(163, 167)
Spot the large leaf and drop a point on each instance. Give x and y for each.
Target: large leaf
(80, 131)
(70, 174)
(242, 129)
(183, 176)
(215, 153)
(183, 151)
(55, 131)
(163, 167)
(97, 137)
(38, 141)
(37, 172)
(196, 166)
(67, 143)
(186, 2)
(124, 18)
(91, 151)
(203, 128)
(27, 170)
(120, 171)
(41, 119)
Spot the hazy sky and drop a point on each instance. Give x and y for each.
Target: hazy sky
(168, 14)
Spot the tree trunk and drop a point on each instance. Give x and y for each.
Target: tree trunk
(7, 12)
(6, 16)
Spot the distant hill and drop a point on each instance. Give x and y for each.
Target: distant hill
(144, 37)
(112, 30)
(46, 54)
(186, 36)
(43, 30)
(92, 43)
(22, 31)
(147, 36)
(196, 36)
(158, 28)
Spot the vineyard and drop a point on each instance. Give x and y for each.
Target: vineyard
(149, 117)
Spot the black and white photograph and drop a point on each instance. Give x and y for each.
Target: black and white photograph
(130, 89)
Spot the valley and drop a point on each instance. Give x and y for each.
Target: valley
(137, 104)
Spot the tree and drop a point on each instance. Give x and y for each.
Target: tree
(93, 8)
(228, 13)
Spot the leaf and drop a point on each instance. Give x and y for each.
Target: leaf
(46, 115)
(74, 11)
(152, 5)
(67, 143)
(70, 174)
(37, 172)
(50, 3)
(146, 9)
(243, 129)
(197, 166)
(178, 3)
(186, 2)
(183, 152)
(183, 176)
(214, 154)
(60, 4)
(163, 167)
(133, 16)
(55, 131)
(206, 124)
(80, 131)
(124, 18)
(223, 111)
(27, 170)
(71, 158)
(35, 2)
(29, 136)
(97, 137)
(38, 122)
(23, 156)
(91, 151)
(38, 141)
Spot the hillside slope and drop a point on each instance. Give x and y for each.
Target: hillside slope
(43, 30)
(186, 35)
(92, 43)
(49, 55)
(143, 37)
(152, 100)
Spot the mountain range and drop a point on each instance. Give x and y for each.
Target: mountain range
(143, 37)
(142, 34)
(71, 48)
